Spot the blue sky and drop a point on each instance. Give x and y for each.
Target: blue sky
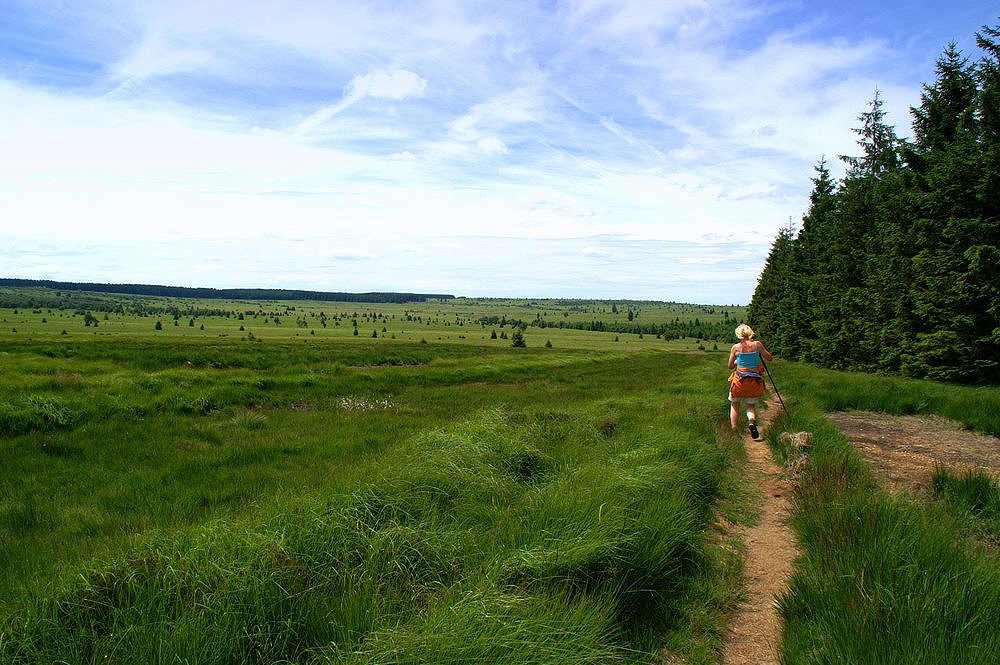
(635, 149)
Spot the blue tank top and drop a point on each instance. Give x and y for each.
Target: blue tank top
(750, 360)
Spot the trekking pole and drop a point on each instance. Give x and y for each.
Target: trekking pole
(772, 384)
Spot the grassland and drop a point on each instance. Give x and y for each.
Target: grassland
(293, 492)
(635, 325)
(889, 578)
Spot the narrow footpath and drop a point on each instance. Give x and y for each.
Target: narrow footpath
(755, 630)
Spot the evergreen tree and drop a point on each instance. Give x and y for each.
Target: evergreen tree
(982, 282)
(946, 107)
(763, 311)
(988, 117)
(955, 237)
(812, 292)
(878, 141)
(849, 334)
(897, 267)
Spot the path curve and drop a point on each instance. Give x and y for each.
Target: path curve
(755, 630)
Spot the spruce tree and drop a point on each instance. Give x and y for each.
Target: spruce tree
(878, 141)
(954, 258)
(763, 313)
(813, 291)
(864, 236)
(897, 267)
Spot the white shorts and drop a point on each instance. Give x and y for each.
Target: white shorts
(745, 400)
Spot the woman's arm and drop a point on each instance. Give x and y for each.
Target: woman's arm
(764, 352)
(732, 356)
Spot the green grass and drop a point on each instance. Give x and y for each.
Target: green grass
(458, 321)
(884, 583)
(562, 526)
(973, 497)
(884, 579)
(190, 495)
(978, 408)
(180, 496)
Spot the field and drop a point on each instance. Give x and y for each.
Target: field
(423, 491)
(568, 323)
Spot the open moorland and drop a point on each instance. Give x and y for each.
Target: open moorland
(566, 323)
(205, 481)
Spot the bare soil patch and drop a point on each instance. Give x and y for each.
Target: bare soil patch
(905, 450)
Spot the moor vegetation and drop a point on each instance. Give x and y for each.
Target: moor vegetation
(196, 495)
(170, 500)
(256, 478)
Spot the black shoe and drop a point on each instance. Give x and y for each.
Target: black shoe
(754, 434)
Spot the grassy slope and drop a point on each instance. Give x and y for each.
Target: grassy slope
(330, 503)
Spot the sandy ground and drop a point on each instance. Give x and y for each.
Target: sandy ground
(905, 450)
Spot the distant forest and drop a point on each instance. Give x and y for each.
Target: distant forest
(896, 268)
(717, 331)
(226, 294)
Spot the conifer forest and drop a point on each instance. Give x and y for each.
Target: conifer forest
(896, 267)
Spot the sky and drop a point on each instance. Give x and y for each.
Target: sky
(610, 149)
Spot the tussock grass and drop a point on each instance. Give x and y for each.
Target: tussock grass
(973, 496)
(497, 628)
(501, 510)
(883, 582)
(883, 579)
(35, 413)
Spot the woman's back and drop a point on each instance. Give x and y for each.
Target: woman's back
(747, 358)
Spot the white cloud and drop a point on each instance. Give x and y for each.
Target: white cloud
(520, 106)
(491, 145)
(395, 84)
(596, 253)
(426, 141)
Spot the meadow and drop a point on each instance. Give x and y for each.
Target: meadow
(422, 492)
(568, 323)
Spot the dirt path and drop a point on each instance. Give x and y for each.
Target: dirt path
(755, 630)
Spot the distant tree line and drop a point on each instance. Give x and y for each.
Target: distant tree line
(226, 294)
(719, 331)
(85, 302)
(896, 268)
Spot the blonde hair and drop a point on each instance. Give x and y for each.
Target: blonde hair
(743, 331)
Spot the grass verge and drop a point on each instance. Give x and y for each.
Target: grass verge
(883, 578)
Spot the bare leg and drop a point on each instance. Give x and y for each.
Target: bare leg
(734, 413)
(752, 417)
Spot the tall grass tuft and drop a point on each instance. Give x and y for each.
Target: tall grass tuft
(883, 582)
(35, 413)
(508, 537)
(974, 494)
(495, 627)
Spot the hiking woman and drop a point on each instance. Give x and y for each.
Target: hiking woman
(746, 383)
